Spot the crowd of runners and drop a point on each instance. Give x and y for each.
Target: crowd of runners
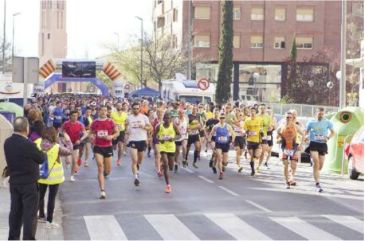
(89, 128)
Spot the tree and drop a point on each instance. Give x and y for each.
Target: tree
(7, 56)
(223, 89)
(161, 60)
(292, 65)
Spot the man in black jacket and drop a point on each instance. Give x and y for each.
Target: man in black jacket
(23, 159)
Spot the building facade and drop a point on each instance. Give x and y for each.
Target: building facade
(263, 37)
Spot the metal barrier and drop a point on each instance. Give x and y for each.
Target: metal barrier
(302, 110)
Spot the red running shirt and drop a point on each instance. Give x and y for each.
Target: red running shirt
(74, 130)
(102, 128)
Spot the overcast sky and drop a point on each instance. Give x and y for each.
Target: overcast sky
(90, 24)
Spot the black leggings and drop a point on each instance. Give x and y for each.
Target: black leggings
(53, 189)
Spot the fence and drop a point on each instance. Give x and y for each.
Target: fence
(302, 110)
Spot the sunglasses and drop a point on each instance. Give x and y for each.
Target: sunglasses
(135, 108)
(289, 117)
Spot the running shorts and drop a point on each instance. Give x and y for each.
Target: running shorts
(139, 145)
(321, 148)
(106, 152)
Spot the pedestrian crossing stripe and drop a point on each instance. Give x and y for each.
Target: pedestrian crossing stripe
(169, 227)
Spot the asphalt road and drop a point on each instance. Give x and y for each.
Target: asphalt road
(203, 207)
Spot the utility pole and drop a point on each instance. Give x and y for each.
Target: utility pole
(143, 83)
(342, 83)
(4, 37)
(189, 39)
(13, 45)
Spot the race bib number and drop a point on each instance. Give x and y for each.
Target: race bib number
(289, 152)
(58, 117)
(252, 133)
(320, 138)
(135, 125)
(238, 130)
(194, 132)
(102, 133)
(267, 138)
(166, 138)
(120, 127)
(223, 139)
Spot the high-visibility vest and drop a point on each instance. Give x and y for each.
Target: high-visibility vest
(55, 168)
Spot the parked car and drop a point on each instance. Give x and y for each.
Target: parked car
(354, 153)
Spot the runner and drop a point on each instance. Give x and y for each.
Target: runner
(182, 125)
(288, 133)
(137, 126)
(88, 120)
(270, 136)
(193, 136)
(76, 131)
(119, 117)
(267, 127)
(253, 127)
(318, 135)
(239, 141)
(155, 145)
(209, 127)
(166, 133)
(57, 115)
(104, 130)
(223, 136)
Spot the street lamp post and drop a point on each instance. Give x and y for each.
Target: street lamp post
(13, 45)
(142, 83)
(342, 76)
(4, 37)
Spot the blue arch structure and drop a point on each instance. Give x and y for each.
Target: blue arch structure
(55, 77)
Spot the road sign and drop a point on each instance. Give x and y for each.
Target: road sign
(203, 84)
(25, 68)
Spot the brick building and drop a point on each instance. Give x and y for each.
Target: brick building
(263, 37)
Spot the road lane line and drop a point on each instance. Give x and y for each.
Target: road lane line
(347, 221)
(229, 191)
(236, 227)
(206, 179)
(188, 170)
(259, 206)
(170, 227)
(304, 228)
(104, 228)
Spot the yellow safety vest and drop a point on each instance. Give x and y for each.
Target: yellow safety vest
(55, 169)
(167, 146)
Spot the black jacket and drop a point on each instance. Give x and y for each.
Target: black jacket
(23, 159)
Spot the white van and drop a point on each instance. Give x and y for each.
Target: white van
(187, 91)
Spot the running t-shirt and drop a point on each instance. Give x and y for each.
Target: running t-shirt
(136, 124)
(58, 115)
(102, 128)
(74, 130)
(119, 119)
(318, 130)
(193, 123)
(266, 122)
(182, 126)
(289, 134)
(253, 128)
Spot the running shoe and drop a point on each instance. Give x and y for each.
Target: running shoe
(72, 178)
(102, 195)
(136, 182)
(266, 165)
(168, 188)
(176, 167)
(214, 170)
(319, 188)
(288, 185)
(253, 173)
(185, 163)
(52, 225)
(292, 183)
(194, 165)
(240, 169)
(221, 176)
(119, 162)
(42, 219)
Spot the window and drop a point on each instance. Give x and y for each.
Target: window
(236, 13)
(257, 42)
(48, 36)
(175, 15)
(304, 42)
(257, 13)
(174, 41)
(305, 14)
(202, 41)
(160, 22)
(202, 12)
(236, 41)
(280, 14)
(279, 43)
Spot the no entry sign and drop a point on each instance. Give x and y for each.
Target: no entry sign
(203, 84)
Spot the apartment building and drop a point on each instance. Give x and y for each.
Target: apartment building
(263, 37)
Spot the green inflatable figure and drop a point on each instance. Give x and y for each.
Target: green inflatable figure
(345, 123)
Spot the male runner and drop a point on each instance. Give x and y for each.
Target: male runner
(119, 117)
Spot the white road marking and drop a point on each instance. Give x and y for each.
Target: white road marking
(259, 206)
(188, 170)
(304, 229)
(229, 191)
(170, 228)
(206, 179)
(347, 221)
(236, 227)
(104, 228)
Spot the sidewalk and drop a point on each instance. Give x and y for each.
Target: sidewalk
(43, 233)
